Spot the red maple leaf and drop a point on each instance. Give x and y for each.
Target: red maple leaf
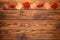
(54, 5)
(40, 5)
(26, 5)
(12, 5)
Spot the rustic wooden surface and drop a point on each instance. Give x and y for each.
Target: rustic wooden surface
(30, 24)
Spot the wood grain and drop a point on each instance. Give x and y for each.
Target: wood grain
(30, 24)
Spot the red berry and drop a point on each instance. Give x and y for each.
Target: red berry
(54, 5)
(26, 5)
(40, 5)
(12, 5)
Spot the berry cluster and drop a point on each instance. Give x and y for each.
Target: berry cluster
(27, 5)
